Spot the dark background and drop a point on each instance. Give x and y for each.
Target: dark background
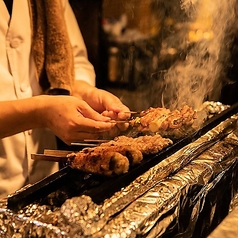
(89, 14)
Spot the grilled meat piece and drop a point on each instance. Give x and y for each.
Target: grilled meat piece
(148, 144)
(147, 116)
(164, 121)
(107, 163)
(115, 157)
(133, 154)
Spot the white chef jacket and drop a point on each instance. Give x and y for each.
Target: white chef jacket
(17, 81)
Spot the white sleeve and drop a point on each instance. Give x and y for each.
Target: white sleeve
(84, 70)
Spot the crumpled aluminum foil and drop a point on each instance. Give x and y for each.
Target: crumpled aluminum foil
(177, 197)
(212, 108)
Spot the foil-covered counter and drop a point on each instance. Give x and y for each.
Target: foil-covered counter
(185, 195)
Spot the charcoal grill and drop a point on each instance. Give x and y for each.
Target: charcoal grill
(68, 184)
(100, 188)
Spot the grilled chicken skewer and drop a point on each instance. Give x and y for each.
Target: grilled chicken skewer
(108, 163)
(115, 157)
(167, 123)
(110, 158)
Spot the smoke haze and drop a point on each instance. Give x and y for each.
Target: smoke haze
(207, 33)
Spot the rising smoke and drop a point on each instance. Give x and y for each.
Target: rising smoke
(207, 33)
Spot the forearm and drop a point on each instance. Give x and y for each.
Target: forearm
(20, 115)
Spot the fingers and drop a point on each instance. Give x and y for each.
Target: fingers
(87, 129)
(86, 111)
(118, 127)
(121, 111)
(91, 126)
(72, 120)
(117, 115)
(111, 114)
(110, 102)
(124, 115)
(122, 126)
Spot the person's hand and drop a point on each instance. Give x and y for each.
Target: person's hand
(105, 103)
(113, 107)
(101, 100)
(72, 119)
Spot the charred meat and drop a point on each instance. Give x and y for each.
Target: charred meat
(107, 163)
(148, 144)
(164, 121)
(116, 156)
